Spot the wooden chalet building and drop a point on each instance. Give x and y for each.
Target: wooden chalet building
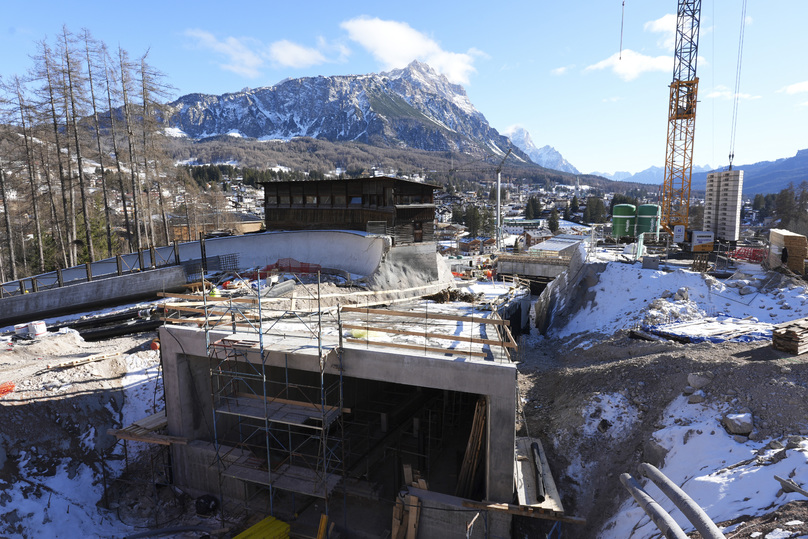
(399, 208)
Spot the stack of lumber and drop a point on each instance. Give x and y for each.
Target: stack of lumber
(407, 510)
(471, 461)
(791, 337)
(795, 244)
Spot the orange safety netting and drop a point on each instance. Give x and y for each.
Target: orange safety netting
(752, 254)
(284, 265)
(6, 388)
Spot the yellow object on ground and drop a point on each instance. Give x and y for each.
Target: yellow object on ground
(269, 528)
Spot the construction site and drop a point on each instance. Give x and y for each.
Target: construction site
(337, 377)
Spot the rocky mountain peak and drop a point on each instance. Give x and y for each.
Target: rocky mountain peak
(412, 107)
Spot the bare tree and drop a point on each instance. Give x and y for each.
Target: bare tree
(109, 82)
(125, 82)
(73, 80)
(152, 87)
(46, 70)
(33, 178)
(7, 219)
(89, 59)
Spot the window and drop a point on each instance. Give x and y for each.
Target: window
(311, 200)
(283, 195)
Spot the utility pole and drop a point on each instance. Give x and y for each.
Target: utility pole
(499, 183)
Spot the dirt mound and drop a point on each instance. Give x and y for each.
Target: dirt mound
(599, 409)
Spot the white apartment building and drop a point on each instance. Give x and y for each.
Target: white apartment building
(722, 204)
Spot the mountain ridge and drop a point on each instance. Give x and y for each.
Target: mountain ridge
(411, 107)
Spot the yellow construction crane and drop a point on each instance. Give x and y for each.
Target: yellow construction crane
(681, 121)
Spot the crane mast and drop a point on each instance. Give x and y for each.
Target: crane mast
(681, 117)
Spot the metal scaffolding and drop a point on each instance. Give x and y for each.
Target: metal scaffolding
(275, 428)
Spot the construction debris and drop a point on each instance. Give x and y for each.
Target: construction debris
(791, 337)
(788, 249)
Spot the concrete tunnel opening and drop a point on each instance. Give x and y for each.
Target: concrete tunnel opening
(385, 427)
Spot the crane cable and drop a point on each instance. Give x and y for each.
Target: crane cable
(622, 19)
(737, 87)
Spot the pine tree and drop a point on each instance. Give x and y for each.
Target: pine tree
(553, 224)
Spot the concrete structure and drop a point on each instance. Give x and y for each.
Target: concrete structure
(85, 296)
(542, 268)
(211, 461)
(369, 258)
(722, 204)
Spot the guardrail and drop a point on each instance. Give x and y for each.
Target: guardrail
(144, 260)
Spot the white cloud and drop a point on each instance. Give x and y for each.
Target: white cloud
(722, 92)
(247, 56)
(240, 56)
(287, 54)
(796, 88)
(611, 99)
(396, 44)
(633, 64)
(665, 25)
(562, 70)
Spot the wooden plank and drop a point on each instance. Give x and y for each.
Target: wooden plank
(209, 299)
(214, 310)
(150, 437)
(443, 336)
(790, 486)
(293, 402)
(323, 526)
(457, 352)
(153, 422)
(522, 510)
(435, 316)
(412, 525)
(407, 474)
(276, 412)
(81, 361)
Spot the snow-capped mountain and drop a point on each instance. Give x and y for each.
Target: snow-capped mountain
(414, 107)
(651, 175)
(546, 156)
(618, 176)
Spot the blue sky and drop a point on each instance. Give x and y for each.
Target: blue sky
(550, 67)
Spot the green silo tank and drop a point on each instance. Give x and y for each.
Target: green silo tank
(648, 218)
(623, 219)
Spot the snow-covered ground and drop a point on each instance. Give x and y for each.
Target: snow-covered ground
(63, 502)
(628, 296)
(726, 478)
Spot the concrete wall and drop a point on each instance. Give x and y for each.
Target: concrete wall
(371, 257)
(355, 252)
(88, 295)
(530, 266)
(567, 292)
(442, 516)
(186, 381)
